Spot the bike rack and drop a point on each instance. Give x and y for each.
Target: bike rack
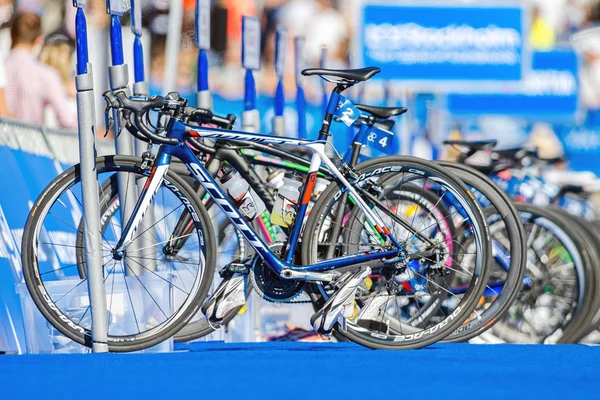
(280, 50)
(140, 88)
(205, 99)
(173, 45)
(89, 182)
(118, 74)
(299, 63)
(251, 62)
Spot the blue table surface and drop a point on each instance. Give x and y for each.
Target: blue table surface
(288, 370)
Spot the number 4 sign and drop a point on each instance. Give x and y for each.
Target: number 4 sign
(381, 140)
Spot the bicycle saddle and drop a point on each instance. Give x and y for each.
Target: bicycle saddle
(515, 154)
(381, 112)
(553, 160)
(356, 75)
(472, 145)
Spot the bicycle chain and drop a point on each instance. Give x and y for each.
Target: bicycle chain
(310, 301)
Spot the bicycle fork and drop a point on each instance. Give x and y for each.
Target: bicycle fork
(156, 178)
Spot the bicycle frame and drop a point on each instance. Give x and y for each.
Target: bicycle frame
(177, 129)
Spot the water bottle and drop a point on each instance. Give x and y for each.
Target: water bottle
(246, 199)
(284, 209)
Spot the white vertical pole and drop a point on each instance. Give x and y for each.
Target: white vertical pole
(89, 186)
(173, 45)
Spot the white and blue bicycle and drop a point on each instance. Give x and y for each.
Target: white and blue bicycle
(379, 265)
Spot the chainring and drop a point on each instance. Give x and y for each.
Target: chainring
(269, 285)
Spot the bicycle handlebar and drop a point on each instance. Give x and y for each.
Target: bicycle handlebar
(140, 107)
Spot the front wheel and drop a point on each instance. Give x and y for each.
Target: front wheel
(411, 304)
(150, 293)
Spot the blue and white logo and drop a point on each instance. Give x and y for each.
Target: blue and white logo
(444, 43)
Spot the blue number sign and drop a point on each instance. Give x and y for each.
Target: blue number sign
(346, 111)
(381, 140)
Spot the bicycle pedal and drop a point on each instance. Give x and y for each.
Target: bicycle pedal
(230, 294)
(340, 305)
(234, 268)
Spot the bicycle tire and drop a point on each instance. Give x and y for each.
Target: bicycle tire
(568, 238)
(51, 311)
(501, 207)
(376, 167)
(591, 309)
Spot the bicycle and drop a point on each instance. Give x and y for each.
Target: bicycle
(561, 267)
(379, 251)
(509, 248)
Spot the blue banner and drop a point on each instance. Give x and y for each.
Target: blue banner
(582, 147)
(450, 44)
(550, 92)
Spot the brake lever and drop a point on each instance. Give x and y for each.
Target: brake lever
(111, 102)
(108, 119)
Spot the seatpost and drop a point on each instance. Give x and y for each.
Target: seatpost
(357, 144)
(331, 108)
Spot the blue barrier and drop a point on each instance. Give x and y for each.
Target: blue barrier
(31, 158)
(581, 145)
(550, 92)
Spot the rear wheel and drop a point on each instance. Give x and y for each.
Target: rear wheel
(552, 304)
(508, 256)
(396, 307)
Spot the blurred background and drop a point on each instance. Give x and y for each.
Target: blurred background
(522, 73)
(556, 106)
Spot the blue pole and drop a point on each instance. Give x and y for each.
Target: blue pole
(203, 95)
(280, 51)
(299, 63)
(138, 60)
(301, 110)
(119, 79)
(250, 61)
(249, 91)
(81, 39)
(202, 70)
(116, 41)
(324, 98)
(280, 46)
(89, 186)
(279, 99)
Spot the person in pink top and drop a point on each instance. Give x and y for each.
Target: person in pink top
(30, 85)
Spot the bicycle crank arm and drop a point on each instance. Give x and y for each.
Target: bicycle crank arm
(308, 276)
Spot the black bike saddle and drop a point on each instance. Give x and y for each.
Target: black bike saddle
(515, 154)
(381, 112)
(356, 75)
(471, 146)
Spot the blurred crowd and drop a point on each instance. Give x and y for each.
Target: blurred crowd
(37, 39)
(37, 47)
